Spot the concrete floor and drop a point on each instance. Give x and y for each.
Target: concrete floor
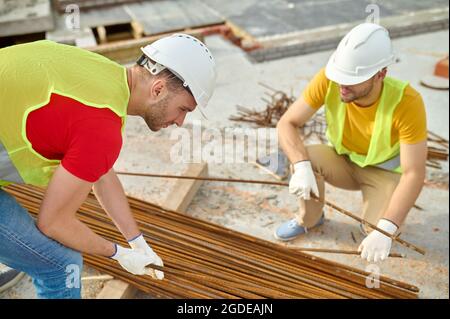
(258, 210)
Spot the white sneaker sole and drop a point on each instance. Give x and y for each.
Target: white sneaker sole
(285, 239)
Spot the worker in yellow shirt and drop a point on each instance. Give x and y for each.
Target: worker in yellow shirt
(376, 126)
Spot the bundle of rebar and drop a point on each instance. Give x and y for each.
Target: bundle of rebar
(203, 260)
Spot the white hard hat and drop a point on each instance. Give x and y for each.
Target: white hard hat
(363, 52)
(189, 59)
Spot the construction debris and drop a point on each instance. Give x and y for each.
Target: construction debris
(437, 150)
(277, 105)
(203, 260)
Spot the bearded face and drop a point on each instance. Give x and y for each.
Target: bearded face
(156, 114)
(351, 93)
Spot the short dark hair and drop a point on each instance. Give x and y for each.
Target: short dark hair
(173, 82)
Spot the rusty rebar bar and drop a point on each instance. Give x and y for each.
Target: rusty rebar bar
(326, 202)
(341, 251)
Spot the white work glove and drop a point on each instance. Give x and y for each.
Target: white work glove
(132, 261)
(303, 182)
(140, 245)
(376, 246)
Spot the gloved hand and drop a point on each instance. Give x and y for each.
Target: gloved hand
(132, 261)
(139, 244)
(303, 182)
(377, 246)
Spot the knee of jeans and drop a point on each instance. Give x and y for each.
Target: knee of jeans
(61, 287)
(61, 283)
(70, 266)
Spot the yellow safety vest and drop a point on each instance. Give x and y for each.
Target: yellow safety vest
(380, 153)
(29, 74)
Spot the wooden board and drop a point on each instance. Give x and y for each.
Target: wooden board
(117, 289)
(184, 190)
(179, 199)
(127, 51)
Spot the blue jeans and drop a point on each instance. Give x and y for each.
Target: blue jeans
(54, 268)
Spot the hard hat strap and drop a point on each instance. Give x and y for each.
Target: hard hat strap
(153, 68)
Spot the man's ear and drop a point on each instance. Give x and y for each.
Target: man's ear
(382, 74)
(158, 88)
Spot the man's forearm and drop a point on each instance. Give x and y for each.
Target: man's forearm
(291, 142)
(76, 235)
(110, 194)
(404, 197)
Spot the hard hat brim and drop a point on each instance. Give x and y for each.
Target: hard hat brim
(339, 77)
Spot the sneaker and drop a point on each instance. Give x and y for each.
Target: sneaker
(291, 229)
(9, 277)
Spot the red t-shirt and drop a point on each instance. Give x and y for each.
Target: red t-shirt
(87, 140)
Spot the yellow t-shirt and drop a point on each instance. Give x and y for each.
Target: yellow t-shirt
(409, 124)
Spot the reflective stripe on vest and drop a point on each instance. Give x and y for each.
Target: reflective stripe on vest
(381, 152)
(8, 171)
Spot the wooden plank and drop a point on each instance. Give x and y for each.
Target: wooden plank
(178, 200)
(127, 51)
(138, 30)
(117, 289)
(101, 31)
(184, 190)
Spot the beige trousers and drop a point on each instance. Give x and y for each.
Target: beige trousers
(377, 185)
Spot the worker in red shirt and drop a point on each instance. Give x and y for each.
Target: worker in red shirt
(62, 114)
